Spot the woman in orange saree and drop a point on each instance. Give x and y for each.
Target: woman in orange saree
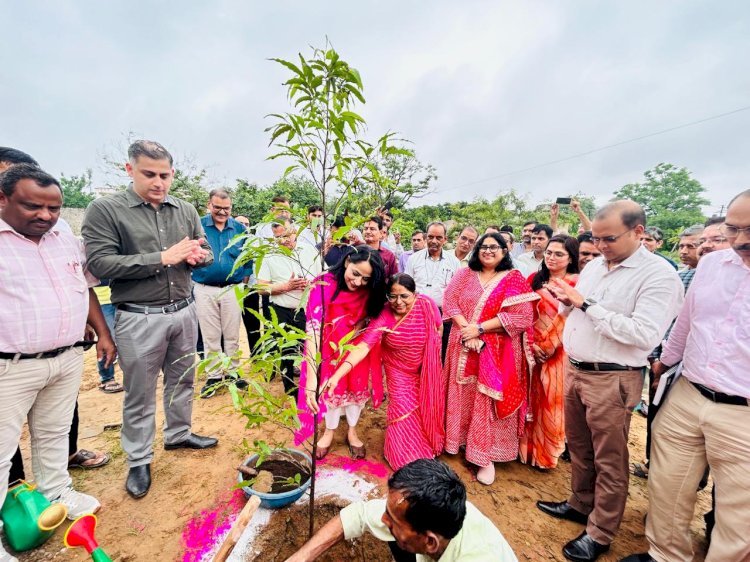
(544, 438)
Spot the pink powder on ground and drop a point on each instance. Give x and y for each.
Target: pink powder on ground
(377, 469)
(201, 532)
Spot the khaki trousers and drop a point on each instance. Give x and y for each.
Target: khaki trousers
(598, 408)
(43, 391)
(219, 314)
(691, 432)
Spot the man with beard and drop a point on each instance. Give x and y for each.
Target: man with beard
(372, 231)
(525, 244)
(705, 417)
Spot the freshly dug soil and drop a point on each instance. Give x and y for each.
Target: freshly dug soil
(282, 469)
(287, 532)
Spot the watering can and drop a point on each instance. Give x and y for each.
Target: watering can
(29, 518)
(81, 534)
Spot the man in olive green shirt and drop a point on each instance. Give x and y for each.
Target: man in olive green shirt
(426, 517)
(147, 242)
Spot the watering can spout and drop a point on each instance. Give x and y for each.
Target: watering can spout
(81, 534)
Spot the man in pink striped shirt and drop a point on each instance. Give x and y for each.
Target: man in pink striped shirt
(705, 418)
(46, 303)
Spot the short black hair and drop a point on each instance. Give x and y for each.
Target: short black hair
(715, 220)
(529, 222)
(417, 232)
(435, 496)
(10, 177)
(541, 227)
(585, 236)
(506, 228)
(280, 199)
(314, 209)
(15, 156)
(377, 220)
(493, 227)
(149, 149)
(376, 286)
(388, 213)
(505, 264)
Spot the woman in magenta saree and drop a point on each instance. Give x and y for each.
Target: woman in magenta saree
(407, 337)
(487, 359)
(337, 307)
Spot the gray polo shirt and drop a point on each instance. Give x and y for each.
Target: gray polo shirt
(124, 237)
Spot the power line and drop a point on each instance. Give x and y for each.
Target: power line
(600, 149)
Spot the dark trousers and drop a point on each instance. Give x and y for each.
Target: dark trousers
(258, 303)
(296, 318)
(16, 464)
(652, 409)
(447, 325)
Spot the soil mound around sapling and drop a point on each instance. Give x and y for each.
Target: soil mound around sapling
(281, 470)
(286, 532)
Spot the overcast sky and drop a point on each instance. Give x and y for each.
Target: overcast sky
(481, 88)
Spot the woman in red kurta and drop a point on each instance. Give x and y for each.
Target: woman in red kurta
(544, 440)
(407, 337)
(486, 362)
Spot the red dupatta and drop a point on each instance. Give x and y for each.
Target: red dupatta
(495, 366)
(432, 387)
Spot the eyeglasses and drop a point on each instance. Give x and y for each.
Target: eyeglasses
(404, 297)
(712, 240)
(491, 249)
(221, 209)
(551, 254)
(731, 231)
(609, 239)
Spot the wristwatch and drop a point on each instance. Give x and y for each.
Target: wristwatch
(481, 330)
(587, 303)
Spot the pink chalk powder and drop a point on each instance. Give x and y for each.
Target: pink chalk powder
(377, 469)
(201, 532)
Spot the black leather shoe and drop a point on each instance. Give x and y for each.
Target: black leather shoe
(562, 510)
(643, 557)
(139, 480)
(193, 442)
(584, 549)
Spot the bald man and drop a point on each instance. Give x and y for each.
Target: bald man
(619, 311)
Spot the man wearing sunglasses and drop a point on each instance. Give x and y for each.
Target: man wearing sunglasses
(618, 312)
(705, 419)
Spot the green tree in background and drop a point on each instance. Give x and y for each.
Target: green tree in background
(77, 192)
(671, 197)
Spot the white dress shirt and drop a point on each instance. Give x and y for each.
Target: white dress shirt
(712, 333)
(527, 263)
(635, 303)
(278, 268)
(432, 276)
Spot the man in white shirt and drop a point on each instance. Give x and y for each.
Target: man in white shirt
(285, 278)
(530, 262)
(464, 245)
(619, 311)
(281, 209)
(432, 269)
(313, 234)
(426, 517)
(706, 416)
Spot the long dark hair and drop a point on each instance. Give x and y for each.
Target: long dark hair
(571, 246)
(376, 285)
(505, 264)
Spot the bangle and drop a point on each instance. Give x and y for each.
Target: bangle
(349, 363)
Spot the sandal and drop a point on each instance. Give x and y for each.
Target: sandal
(321, 452)
(88, 459)
(639, 469)
(111, 387)
(357, 452)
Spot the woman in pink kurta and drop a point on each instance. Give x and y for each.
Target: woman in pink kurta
(338, 305)
(486, 362)
(407, 337)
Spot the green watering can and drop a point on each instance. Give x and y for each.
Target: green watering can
(28, 517)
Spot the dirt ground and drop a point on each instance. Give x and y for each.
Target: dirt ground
(187, 482)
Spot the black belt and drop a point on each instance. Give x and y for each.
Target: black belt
(221, 285)
(166, 309)
(720, 397)
(581, 366)
(86, 344)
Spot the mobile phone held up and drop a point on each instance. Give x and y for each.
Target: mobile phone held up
(563, 201)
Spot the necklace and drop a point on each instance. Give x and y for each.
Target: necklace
(485, 283)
